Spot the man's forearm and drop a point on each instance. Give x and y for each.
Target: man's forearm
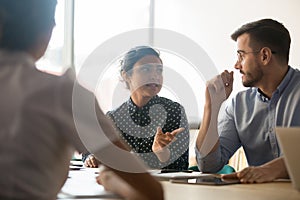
(278, 167)
(207, 140)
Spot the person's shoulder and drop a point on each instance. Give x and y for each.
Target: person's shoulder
(247, 91)
(117, 110)
(246, 94)
(66, 77)
(66, 81)
(296, 74)
(296, 70)
(168, 103)
(293, 81)
(109, 115)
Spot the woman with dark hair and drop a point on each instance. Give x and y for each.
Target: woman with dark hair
(155, 128)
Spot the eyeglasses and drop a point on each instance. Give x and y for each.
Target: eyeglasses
(241, 54)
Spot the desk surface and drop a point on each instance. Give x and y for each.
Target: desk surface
(265, 191)
(84, 180)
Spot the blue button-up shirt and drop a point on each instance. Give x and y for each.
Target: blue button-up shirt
(250, 120)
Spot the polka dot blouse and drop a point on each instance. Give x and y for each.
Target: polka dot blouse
(137, 126)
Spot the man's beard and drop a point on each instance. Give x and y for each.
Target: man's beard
(254, 79)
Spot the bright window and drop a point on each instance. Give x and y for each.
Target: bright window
(83, 25)
(53, 60)
(96, 21)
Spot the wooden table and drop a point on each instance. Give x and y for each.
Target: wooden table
(265, 191)
(84, 180)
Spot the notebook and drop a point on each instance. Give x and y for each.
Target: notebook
(289, 139)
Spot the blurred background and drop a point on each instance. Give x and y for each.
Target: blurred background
(83, 25)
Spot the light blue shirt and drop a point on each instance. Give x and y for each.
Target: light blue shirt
(250, 120)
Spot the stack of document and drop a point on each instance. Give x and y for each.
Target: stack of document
(81, 184)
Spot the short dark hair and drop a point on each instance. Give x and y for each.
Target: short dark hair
(267, 33)
(22, 21)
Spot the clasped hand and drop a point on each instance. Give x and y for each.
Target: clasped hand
(91, 161)
(219, 88)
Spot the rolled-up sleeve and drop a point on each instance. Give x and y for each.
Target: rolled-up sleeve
(210, 163)
(228, 143)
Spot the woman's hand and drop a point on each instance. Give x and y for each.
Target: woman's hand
(161, 143)
(91, 161)
(161, 139)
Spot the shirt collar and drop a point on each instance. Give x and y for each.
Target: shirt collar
(285, 80)
(134, 108)
(281, 86)
(262, 96)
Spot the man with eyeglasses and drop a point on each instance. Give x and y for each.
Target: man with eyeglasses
(249, 120)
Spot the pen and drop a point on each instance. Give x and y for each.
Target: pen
(175, 170)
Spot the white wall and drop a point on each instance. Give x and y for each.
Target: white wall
(211, 22)
(208, 22)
